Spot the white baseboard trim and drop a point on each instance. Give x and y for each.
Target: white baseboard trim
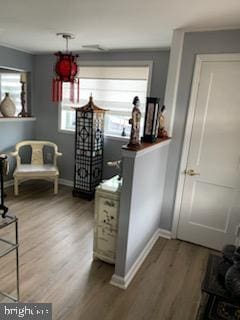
(123, 282)
(65, 182)
(119, 282)
(165, 234)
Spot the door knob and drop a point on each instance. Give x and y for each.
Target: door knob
(191, 172)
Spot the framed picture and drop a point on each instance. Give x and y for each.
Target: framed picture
(151, 122)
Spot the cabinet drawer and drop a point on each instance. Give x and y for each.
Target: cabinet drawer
(107, 212)
(106, 241)
(106, 226)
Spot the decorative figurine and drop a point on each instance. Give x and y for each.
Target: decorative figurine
(117, 164)
(232, 277)
(135, 122)
(226, 261)
(123, 134)
(123, 124)
(229, 269)
(7, 106)
(162, 133)
(23, 82)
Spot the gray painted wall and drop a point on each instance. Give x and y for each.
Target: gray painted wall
(47, 112)
(14, 131)
(15, 59)
(226, 41)
(140, 205)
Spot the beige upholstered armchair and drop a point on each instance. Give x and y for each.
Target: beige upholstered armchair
(37, 169)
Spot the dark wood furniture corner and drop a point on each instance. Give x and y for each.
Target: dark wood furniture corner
(216, 302)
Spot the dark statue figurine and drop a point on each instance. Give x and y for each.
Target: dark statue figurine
(229, 269)
(135, 122)
(226, 261)
(232, 277)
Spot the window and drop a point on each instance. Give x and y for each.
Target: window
(113, 88)
(10, 82)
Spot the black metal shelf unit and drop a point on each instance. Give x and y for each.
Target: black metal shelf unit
(7, 220)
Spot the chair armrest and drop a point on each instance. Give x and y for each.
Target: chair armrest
(13, 154)
(58, 154)
(16, 155)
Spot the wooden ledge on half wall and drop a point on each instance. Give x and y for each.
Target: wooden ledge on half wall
(145, 145)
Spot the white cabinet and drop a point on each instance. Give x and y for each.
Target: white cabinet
(106, 219)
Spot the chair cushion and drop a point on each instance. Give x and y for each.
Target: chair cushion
(31, 169)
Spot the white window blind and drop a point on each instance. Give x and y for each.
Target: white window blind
(112, 88)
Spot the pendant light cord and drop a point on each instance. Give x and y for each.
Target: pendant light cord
(67, 44)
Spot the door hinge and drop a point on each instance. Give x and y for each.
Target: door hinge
(237, 234)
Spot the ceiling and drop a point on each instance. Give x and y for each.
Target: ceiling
(31, 25)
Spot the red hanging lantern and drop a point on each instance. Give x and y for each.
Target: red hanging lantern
(66, 70)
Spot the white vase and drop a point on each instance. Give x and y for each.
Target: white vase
(7, 106)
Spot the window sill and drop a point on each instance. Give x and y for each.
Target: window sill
(66, 131)
(118, 138)
(16, 119)
(106, 136)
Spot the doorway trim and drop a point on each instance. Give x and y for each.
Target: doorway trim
(200, 58)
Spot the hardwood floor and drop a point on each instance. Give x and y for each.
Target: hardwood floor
(56, 235)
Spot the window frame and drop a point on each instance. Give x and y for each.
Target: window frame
(114, 63)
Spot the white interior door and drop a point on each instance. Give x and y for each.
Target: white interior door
(210, 205)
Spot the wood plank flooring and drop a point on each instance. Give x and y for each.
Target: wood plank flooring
(56, 266)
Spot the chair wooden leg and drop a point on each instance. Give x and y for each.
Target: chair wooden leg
(56, 185)
(15, 186)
